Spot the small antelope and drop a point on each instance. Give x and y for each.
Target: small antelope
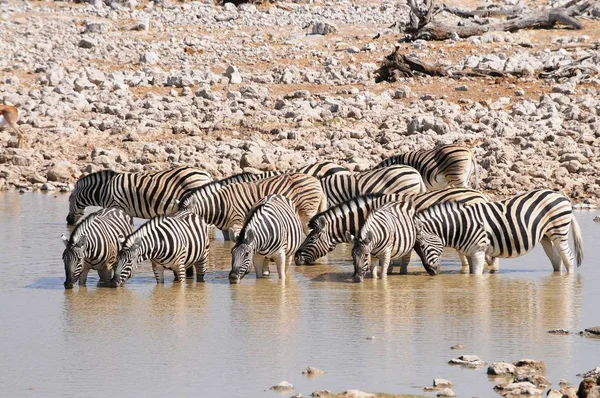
(9, 116)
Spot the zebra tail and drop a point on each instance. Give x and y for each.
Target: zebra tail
(577, 240)
(476, 174)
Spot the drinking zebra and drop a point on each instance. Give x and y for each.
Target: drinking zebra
(389, 180)
(504, 229)
(227, 207)
(272, 228)
(329, 228)
(94, 244)
(142, 195)
(175, 242)
(441, 167)
(388, 233)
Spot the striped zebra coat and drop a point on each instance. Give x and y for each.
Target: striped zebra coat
(505, 229)
(227, 207)
(318, 170)
(175, 242)
(272, 228)
(94, 244)
(441, 167)
(143, 195)
(328, 228)
(389, 180)
(388, 233)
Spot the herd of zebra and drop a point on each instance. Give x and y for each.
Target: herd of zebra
(418, 200)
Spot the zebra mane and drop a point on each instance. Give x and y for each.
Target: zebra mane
(352, 203)
(78, 230)
(101, 175)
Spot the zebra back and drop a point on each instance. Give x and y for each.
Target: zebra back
(447, 165)
(323, 169)
(248, 177)
(464, 196)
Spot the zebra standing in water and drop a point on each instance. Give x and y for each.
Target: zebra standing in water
(328, 228)
(176, 242)
(388, 233)
(227, 207)
(142, 195)
(272, 228)
(504, 229)
(389, 180)
(94, 244)
(441, 167)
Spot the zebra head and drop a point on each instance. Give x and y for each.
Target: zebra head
(317, 244)
(241, 256)
(429, 247)
(73, 257)
(361, 253)
(127, 261)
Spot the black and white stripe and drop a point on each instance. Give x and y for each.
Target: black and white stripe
(388, 233)
(94, 244)
(175, 242)
(504, 229)
(441, 167)
(227, 207)
(143, 195)
(328, 228)
(272, 228)
(389, 180)
(323, 169)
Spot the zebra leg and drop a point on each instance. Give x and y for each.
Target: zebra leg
(226, 237)
(189, 272)
(201, 268)
(404, 261)
(280, 261)
(552, 253)
(104, 274)
(492, 263)
(84, 274)
(464, 263)
(258, 265)
(384, 265)
(159, 272)
(476, 262)
(180, 277)
(562, 246)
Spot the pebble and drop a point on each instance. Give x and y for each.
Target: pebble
(467, 360)
(312, 371)
(283, 386)
(446, 392)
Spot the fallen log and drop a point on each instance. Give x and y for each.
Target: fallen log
(424, 27)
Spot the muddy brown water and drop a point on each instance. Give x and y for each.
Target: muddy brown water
(217, 340)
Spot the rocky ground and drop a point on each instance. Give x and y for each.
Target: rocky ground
(142, 86)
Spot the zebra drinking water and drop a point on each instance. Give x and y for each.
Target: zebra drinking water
(441, 167)
(328, 228)
(272, 228)
(389, 180)
(142, 195)
(176, 242)
(388, 233)
(227, 207)
(505, 229)
(94, 244)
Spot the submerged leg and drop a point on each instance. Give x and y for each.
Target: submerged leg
(476, 263)
(384, 265)
(159, 272)
(104, 274)
(405, 260)
(562, 246)
(201, 268)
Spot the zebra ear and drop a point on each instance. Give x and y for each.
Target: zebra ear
(121, 238)
(349, 237)
(368, 237)
(321, 222)
(64, 239)
(250, 236)
(82, 241)
(418, 226)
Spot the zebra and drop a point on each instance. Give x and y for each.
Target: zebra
(328, 228)
(142, 195)
(388, 180)
(226, 207)
(176, 242)
(272, 228)
(321, 170)
(441, 167)
(388, 233)
(506, 229)
(94, 244)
